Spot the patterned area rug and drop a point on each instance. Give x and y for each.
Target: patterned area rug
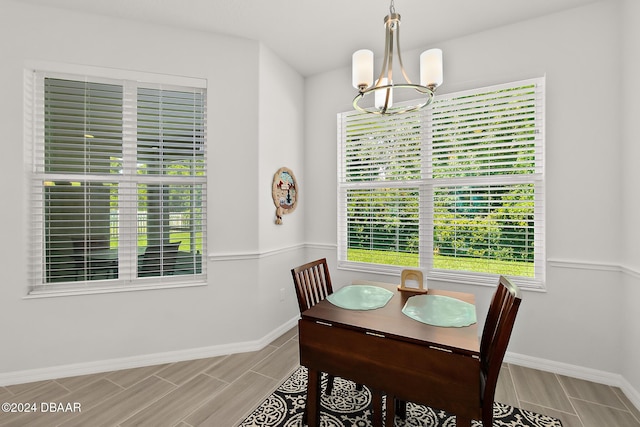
(348, 407)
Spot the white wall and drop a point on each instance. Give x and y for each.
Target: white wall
(87, 332)
(281, 126)
(630, 14)
(580, 319)
(256, 126)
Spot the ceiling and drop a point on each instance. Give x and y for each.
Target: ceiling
(319, 35)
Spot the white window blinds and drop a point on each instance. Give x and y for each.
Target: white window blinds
(379, 188)
(118, 182)
(470, 169)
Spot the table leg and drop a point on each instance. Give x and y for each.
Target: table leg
(462, 422)
(401, 408)
(313, 398)
(376, 403)
(391, 411)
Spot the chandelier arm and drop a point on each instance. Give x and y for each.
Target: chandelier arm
(404, 73)
(387, 65)
(385, 61)
(391, 27)
(391, 32)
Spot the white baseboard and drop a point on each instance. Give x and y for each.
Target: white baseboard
(587, 374)
(53, 372)
(632, 394)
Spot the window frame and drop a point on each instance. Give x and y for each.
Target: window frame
(427, 188)
(128, 278)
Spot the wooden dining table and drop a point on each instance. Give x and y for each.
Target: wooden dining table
(392, 353)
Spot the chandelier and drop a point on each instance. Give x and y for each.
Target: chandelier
(384, 86)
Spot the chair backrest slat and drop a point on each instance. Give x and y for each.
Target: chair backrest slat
(496, 334)
(312, 283)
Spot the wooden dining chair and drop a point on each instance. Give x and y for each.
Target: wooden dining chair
(493, 346)
(495, 339)
(313, 284)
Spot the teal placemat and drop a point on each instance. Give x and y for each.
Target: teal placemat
(360, 297)
(440, 310)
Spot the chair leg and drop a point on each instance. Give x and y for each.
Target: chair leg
(311, 415)
(376, 402)
(391, 404)
(401, 408)
(487, 414)
(487, 420)
(329, 388)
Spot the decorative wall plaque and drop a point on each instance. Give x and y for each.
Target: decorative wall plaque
(284, 192)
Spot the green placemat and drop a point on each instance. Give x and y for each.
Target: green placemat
(440, 310)
(360, 297)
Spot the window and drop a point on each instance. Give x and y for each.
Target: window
(118, 182)
(456, 189)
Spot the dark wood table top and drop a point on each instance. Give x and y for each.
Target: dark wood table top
(390, 322)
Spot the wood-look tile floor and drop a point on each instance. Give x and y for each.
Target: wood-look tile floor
(221, 391)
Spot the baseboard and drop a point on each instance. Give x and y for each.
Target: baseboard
(588, 374)
(53, 372)
(632, 394)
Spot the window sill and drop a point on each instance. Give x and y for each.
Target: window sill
(457, 277)
(104, 288)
